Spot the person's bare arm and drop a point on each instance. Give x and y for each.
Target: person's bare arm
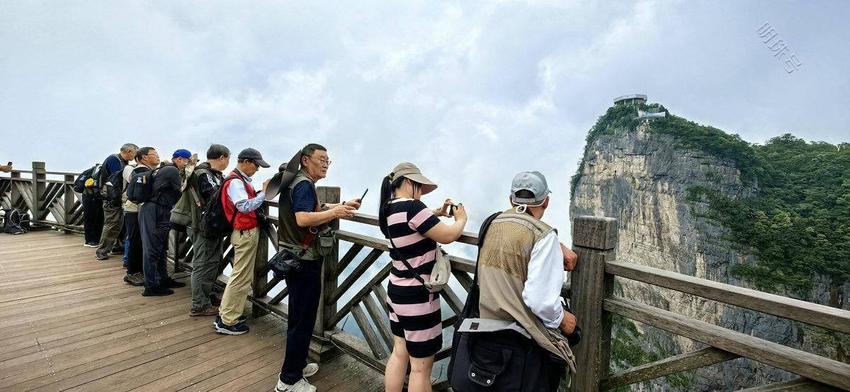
(312, 219)
(446, 234)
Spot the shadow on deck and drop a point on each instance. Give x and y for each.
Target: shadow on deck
(70, 323)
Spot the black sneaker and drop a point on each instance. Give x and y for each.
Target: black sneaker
(157, 292)
(237, 329)
(101, 256)
(91, 244)
(173, 284)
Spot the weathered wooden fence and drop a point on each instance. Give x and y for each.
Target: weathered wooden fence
(354, 287)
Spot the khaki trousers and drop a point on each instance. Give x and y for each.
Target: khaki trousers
(238, 287)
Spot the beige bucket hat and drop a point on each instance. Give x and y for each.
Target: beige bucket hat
(411, 172)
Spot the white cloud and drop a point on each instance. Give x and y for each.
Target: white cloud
(472, 92)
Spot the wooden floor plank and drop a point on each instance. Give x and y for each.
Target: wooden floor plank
(71, 324)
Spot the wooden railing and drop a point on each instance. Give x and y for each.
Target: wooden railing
(354, 289)
(595, 239)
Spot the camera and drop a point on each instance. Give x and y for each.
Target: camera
(450, 211)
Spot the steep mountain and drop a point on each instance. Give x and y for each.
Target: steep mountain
(698, 201)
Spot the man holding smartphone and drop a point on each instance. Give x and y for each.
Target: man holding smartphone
(304, 231)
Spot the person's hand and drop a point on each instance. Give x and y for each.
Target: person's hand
(570, 258)
(266, 185)
(460, 213)
(342, 211)
(443, 210)
(568, 324)
(354, 203)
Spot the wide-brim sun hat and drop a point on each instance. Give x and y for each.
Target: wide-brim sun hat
(412, 173)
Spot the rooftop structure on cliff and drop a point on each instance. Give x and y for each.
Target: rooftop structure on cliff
(633, 99)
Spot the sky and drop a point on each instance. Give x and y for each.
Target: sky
(472, 92)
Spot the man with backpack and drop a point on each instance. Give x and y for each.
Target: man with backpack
(92, 205)
(201, 188)
(301, 227)
(520, 274)
(158, 190)
(147, 159)
(241, 202)
(111, 182)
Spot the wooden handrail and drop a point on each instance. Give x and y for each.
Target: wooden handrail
(591, 292)
(796, 361)
(794, 309)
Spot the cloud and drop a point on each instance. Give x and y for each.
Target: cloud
(471, 92)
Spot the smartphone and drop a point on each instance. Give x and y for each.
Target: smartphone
(364, 195)
(451, 210)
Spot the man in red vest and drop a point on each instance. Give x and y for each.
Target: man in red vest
(241, 203)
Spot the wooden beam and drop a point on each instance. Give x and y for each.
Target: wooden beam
(807, 312)
(665, 367)
(378, 350)
(380, 320)
(279, 297)
(593, 244)
(794, 385)
(365, 240)
(806, 364)
(376, 280)
(347, 258)
(355, 275)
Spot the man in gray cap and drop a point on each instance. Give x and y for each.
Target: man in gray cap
(241, 202)
(520, 274)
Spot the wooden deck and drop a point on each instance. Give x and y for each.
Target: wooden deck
(69, 322)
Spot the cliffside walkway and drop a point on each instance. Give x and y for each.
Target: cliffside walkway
(69, 322)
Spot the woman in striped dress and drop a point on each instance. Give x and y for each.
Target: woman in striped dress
(414, 231)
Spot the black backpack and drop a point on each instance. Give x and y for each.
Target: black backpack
(214, 222)
(15, 221)
(115, 188)
(140, 187)
(80, 182)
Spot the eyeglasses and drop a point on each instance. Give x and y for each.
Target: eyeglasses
(323, 162)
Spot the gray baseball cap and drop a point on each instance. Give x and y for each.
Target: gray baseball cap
(533, 182)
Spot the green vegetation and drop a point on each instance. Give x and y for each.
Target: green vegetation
(627, 352)
(798, 224)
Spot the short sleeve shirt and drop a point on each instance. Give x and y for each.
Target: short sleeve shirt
(304, 197)
(407, 222)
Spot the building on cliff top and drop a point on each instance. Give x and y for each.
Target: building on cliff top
(633, 99)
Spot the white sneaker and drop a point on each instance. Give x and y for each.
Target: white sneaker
(301, 386)
(311, 369)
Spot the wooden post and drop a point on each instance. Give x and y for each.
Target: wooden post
(39, 178)
(15, 195)
(69, 201)
(595, 241)
(261, 277)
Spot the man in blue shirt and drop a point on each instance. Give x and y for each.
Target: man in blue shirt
(113, 213)
(301, 214)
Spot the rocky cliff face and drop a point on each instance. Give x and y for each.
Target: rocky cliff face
(642, 178)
